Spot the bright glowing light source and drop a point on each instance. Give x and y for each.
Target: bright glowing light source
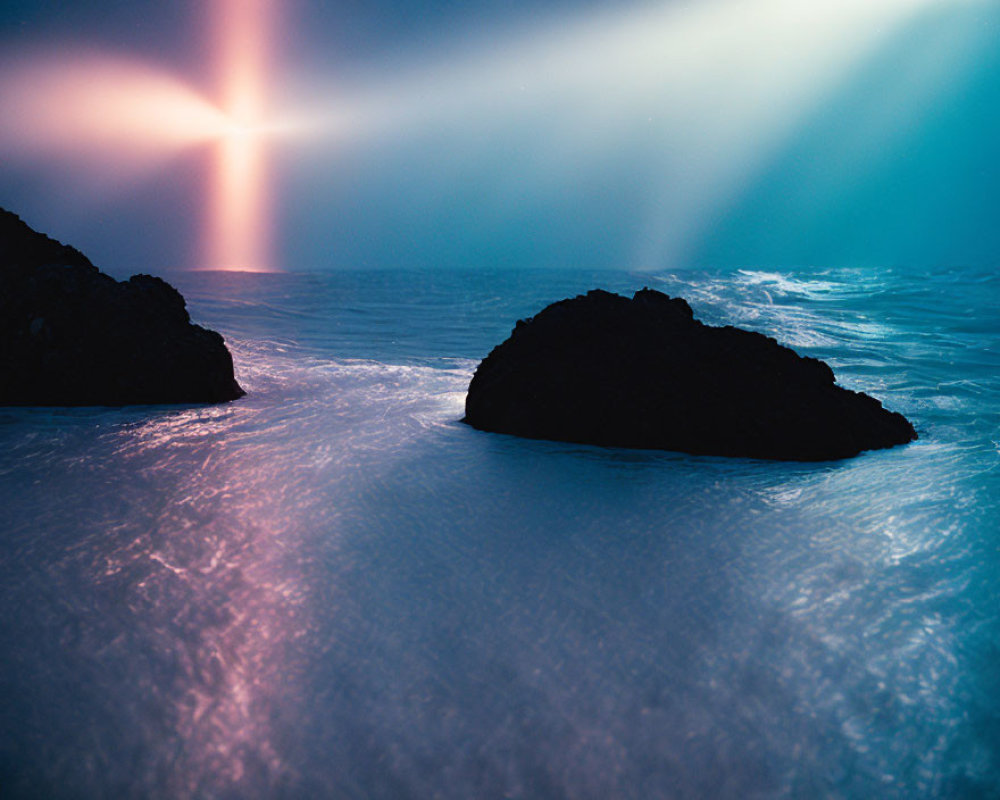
(122, 118)
(701, 92)
(238, 231)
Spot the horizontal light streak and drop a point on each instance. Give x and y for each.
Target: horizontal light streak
(100, 106)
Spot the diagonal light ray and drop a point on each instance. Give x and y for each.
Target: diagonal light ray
(702, 93)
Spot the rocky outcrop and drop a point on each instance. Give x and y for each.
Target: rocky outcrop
(71, 335)
(644, 373)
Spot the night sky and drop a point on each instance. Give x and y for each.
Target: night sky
(893, 164)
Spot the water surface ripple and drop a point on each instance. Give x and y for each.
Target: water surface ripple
(331, 588)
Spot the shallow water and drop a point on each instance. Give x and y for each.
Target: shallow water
(332, 588)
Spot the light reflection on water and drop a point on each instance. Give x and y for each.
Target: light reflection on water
(216, 573)
(333, 589)
(217, 590)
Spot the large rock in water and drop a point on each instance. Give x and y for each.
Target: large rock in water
(71, 335)
(606, 370)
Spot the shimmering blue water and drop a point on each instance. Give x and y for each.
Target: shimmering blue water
(331, 588)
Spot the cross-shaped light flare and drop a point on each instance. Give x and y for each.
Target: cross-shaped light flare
(124, 119)
(726, 81)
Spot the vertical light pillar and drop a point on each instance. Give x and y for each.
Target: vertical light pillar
(238, 229)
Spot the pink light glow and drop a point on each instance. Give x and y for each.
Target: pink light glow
(117, 119)
(101, 108)
(238, 231)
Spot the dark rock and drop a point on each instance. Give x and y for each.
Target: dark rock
(602, 369)
(71, 335)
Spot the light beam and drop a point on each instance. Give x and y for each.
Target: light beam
(702, 92)
(238, 230)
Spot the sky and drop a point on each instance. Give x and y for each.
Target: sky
(779, 134)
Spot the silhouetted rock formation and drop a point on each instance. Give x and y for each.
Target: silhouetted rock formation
(602, 369)
(71, 335)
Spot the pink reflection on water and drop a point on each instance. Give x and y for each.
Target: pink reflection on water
(220, 593)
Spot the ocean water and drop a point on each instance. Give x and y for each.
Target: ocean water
(332, 588)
